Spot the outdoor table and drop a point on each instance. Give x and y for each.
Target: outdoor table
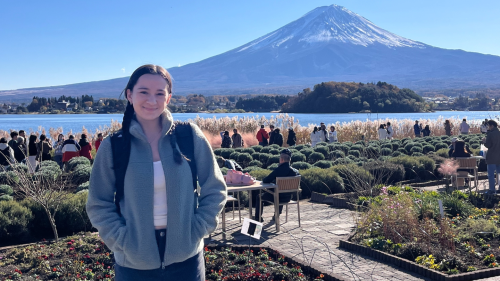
(258, 185)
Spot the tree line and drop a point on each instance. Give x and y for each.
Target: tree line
(344, 97)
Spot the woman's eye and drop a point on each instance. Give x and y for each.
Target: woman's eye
(145, 93)
(161, 94)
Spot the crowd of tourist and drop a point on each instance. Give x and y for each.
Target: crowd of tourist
(33, 150)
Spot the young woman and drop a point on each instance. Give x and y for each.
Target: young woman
(332, 135)
(448, 127)
(58, 153)
(226, 140)
(426, 131)
(159, 232)
(32, 153)
(85, 147)
(315, 137)
(382, 132)
(460, 150)
(44, 148)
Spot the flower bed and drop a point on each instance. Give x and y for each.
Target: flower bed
(86, 257)
(407, 224)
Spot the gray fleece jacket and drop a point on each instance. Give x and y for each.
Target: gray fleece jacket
(132, 236)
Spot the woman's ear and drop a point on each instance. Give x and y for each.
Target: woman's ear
(169, 97)
(128, 94)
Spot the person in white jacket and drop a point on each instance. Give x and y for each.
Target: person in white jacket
(382, 132)
(332, 135)
(390, 131)
(464, 127)
(315, 137)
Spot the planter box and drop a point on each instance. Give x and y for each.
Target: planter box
(318, 197)
(336, 200)
(417, 268)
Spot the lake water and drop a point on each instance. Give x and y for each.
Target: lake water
(91, 122)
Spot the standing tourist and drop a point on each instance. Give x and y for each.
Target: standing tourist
(492, 142)
(382, 132)
(70, 149)
(262, 136)
(417, 128)
(278, 137)
(315, 137)
(323, 133)
(22, 133)
(85, 147)
(271, 134)
(332, 135)
(98, 142)
(484, 127)
(464, 127)
(33, 154)
(20, 152)
(448, 127)
(237, 139)
(158, 190)
(13, 143)
(226, 139)
(390, 131)
(426, 131)
(58, 153)
(292, 138)
(6, 154)
(44, 148)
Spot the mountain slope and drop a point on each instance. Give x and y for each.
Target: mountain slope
(329, 43)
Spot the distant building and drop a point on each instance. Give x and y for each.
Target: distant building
(62, 105)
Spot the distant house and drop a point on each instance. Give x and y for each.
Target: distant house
(62, 105)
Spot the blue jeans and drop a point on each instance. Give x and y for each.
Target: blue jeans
(58, 158)
(192, 269)
(491, 174)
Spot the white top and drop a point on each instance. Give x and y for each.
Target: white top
(464, 127)
(315, 137)
(390, 132)
(332, 136)
(382, 134)
(160, 197)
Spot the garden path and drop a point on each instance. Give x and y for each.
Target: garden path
(316, 241)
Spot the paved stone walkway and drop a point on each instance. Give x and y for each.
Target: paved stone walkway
(315, 242)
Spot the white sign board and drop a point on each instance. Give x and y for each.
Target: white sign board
(251, 228)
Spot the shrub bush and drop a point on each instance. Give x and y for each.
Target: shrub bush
(5, 190)
(273, 166)
(264, 157)
(248, 150)
(255, 163)
(344, 148)
(323, 150)
(357, 147)
(273, 159)
(298, 157)
(323, 164)
(244, 158)
(6, 197)
(256, 156)
(260, 174)
(9, 178)
(257, 148)
(14, 220)
(354, 153)
(408, 146)
(81, 175)
(307, 151)
(234, 155)
(475, 146)
(274, 151)
(265, 149)
(385, 172)
(372, 152)
(428, 148)
(352, 157)
(321, 181)
(386, 151)
(416, 167)
(224, 170)
(338, 154)
(416, 154)
(218, 151)
(321, 144)
(440, 145)
(387, 145)
(396, 154)
(70, 166)
(251, 168)
(226, 152)
(315, 157)
(342, 161)
(46, 176)
(83, 186)
(238, 149)
(353, 175)
(22, 168)
(415, 149)
(301, 165)
(443, 152)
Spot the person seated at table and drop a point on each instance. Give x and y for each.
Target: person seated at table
(452, 148)
(230, 164)
(460, 150)
(284, 170)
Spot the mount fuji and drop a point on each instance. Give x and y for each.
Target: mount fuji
(329, 43)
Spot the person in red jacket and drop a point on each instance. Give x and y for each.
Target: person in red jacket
(262, 136)
(98, 141)
(86, 147)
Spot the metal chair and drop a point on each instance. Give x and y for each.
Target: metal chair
(283, 185)
(233, 200)
(467, 163)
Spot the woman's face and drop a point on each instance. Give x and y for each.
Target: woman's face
(149, 97)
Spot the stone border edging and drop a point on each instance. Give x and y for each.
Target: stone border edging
(416, 268)
(313, 269)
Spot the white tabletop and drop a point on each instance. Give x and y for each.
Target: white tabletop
(256, 186)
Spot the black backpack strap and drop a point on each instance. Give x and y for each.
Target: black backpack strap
(184, 137)
(120, 163)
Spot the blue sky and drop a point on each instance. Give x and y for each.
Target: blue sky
(47, 43)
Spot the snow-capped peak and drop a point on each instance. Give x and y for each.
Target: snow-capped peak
(330, 24)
